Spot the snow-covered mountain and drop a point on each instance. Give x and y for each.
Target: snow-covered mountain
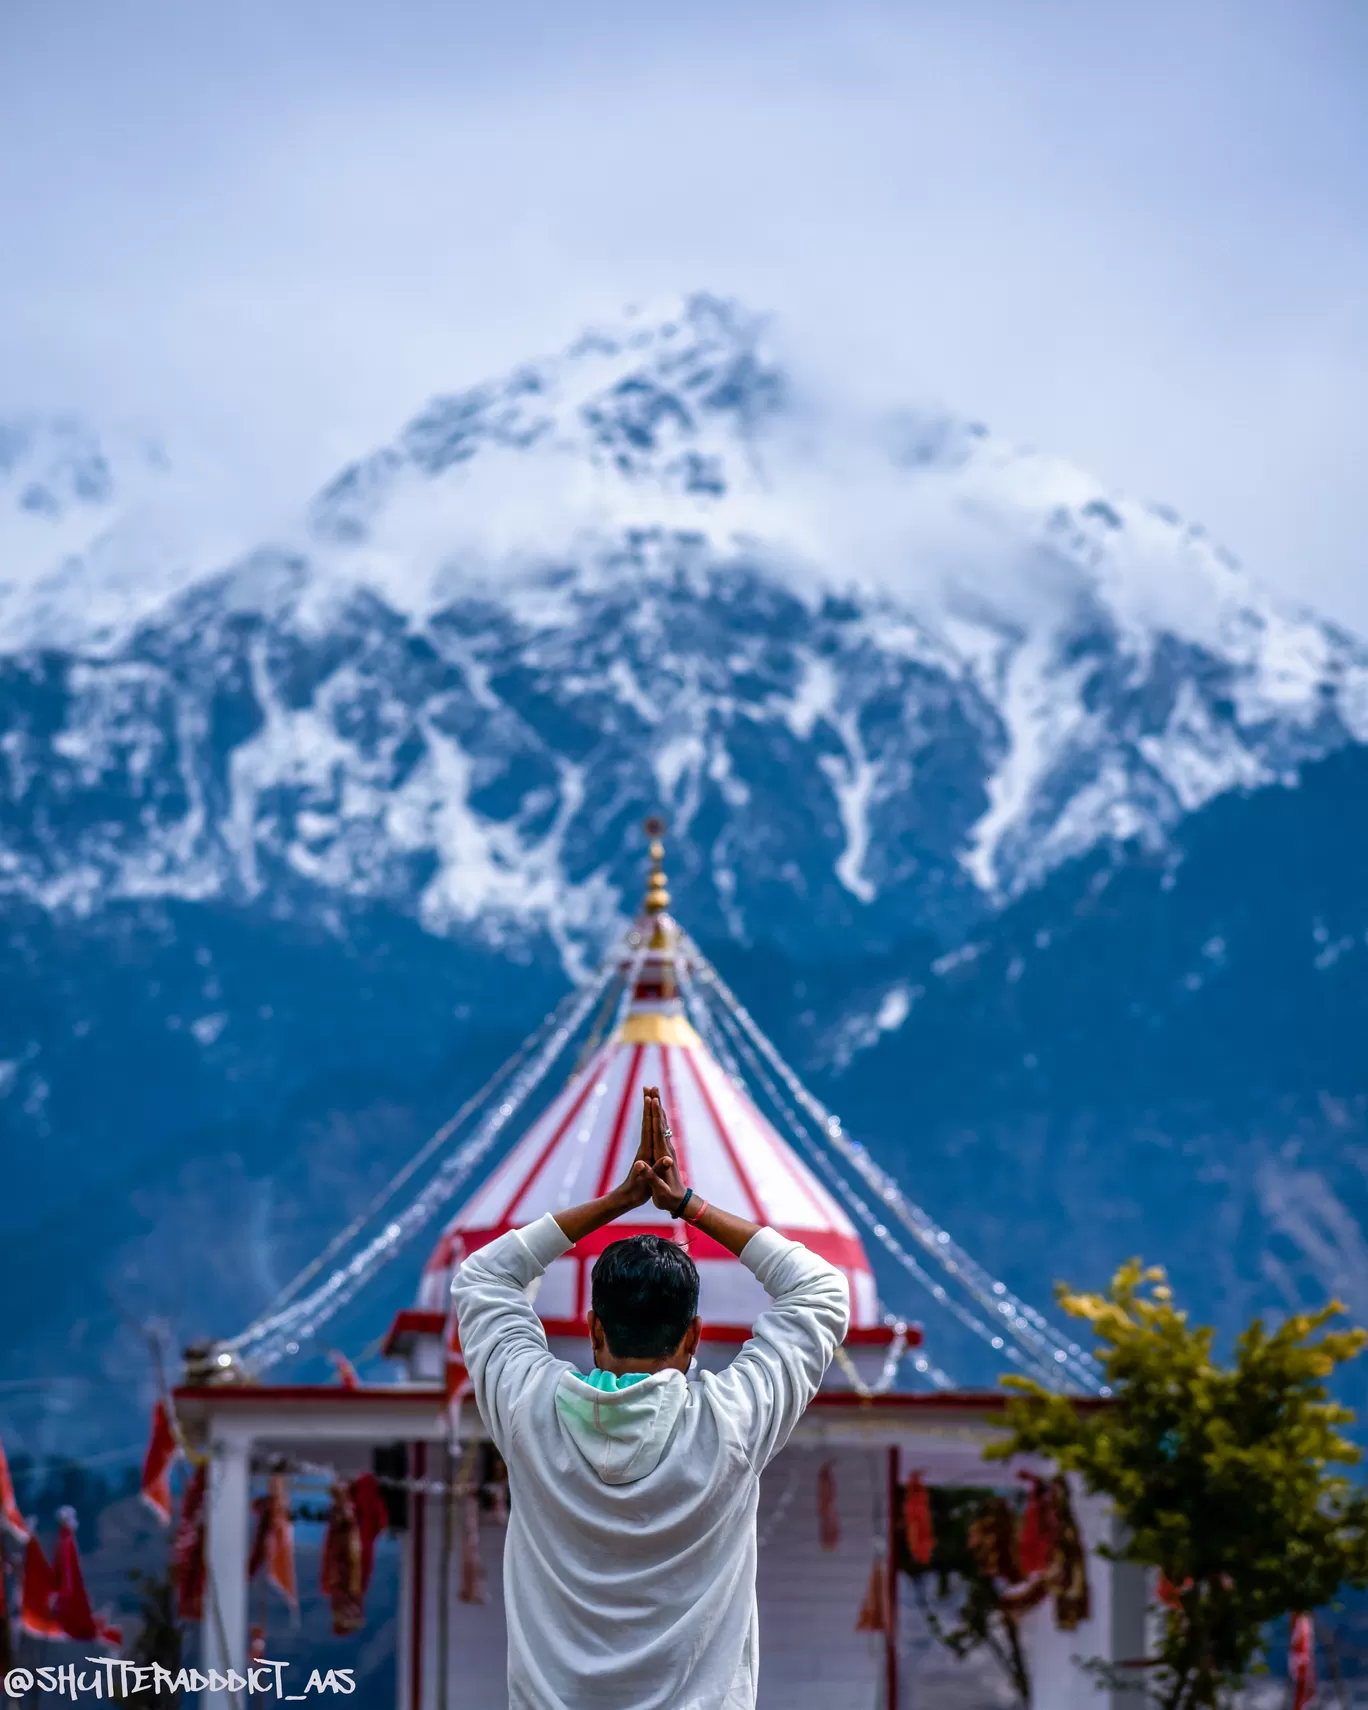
(976, 772)
(882, 671)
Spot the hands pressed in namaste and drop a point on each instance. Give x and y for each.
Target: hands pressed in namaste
(654, 1173)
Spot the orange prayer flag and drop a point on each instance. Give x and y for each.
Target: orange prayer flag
(917, 1525)
(162, 1449)
(875, 1610)
(70, 1602)
(9, 1507)
(346, 1371)
(40, 1587)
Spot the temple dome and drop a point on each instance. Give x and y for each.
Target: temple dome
(584, 1142)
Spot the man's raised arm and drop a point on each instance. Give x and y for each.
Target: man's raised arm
(774, 1377)
(502, 1339)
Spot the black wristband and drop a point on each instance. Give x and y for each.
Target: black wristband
(679, 1209)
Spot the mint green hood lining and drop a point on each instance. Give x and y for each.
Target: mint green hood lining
(621, 1425)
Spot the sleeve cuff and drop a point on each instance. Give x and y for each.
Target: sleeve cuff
(545, 1240)
(761, 1251)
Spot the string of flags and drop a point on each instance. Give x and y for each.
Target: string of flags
(1029, 1560)
(54, 1603)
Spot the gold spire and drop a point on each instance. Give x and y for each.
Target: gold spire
(652, 1025)
(657, 896)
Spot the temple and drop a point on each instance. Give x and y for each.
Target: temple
(834, 1517)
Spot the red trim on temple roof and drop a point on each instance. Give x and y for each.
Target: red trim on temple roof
(412, 1323)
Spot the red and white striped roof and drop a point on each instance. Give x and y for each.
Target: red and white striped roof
(585, 1142)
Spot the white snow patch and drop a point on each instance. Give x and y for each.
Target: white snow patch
(861, 1031)
(1042, 712)
(894, 1010)
(814, 698)
(1199, 758)
(208, 1027)
(957, 958)
(676, 757)
(852, 780)
(735, 791)
(622, 678)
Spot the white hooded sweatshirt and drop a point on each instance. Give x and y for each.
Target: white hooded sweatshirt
(629, 1568)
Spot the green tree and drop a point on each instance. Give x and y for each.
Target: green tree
(1223, 1476)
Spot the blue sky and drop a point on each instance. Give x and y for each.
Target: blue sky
(1133, 234)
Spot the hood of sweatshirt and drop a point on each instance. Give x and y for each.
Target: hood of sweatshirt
(621, 1425)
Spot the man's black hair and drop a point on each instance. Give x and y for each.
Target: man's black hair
(645, 1294)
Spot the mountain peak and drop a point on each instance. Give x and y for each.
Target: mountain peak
(667, 401)
(655, 570)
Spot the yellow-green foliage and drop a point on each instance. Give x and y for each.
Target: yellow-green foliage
(1224, 1476)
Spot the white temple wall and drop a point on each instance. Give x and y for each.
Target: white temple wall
(477, 1671)
(811, 1657)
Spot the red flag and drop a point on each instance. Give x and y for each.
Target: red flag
(6, 1632)
(280, 1558)
(162, 1449)
(921, 1535)
(346, 1371)
(1039, 1531)
(828, 1520)
(339, 1566)
(273, 1545)
(70, 1604)
(875, 1610)
(371, 1519)
(187, 1555)
(9, 1508)
(40, 1587)
(1301, 1662)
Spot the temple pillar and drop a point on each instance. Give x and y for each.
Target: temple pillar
(424, 1681)
(223, 1632)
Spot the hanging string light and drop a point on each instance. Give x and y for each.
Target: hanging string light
(283, 1329)
(344, 1238)
(284, 1332)
(938, 1292)
(1047, 1345)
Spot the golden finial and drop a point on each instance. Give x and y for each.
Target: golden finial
(657, 895)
